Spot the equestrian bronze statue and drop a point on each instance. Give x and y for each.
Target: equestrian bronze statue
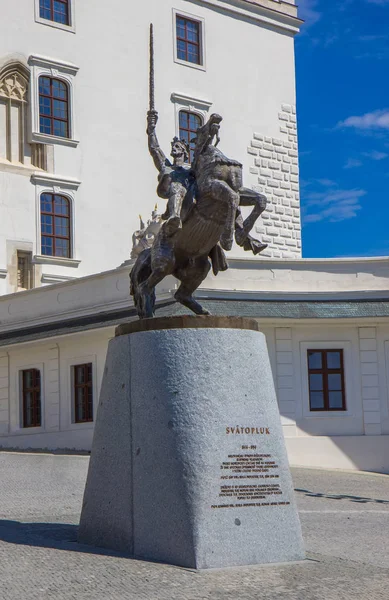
(202, 216)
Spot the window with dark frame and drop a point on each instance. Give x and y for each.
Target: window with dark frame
(326, 380)
(189, 123)
(83, 393)
(55, 10)
(188, 36)
(31, 398)
(55, 225)
(53, 107)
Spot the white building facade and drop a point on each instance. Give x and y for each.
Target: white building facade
(74, 166)
(331, 311)
(75, 172)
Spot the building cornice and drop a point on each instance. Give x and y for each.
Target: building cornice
(279, 14)
(280, 6)
(268, 313)
(52, 63)
(52, 179)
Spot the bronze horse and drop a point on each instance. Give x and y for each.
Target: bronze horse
(210, 217)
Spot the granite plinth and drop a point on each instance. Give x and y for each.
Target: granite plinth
(188, 463)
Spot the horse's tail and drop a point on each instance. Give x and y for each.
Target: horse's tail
(139, 273)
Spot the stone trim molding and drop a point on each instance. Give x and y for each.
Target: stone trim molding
(176, 12)
(16, 420)
(55, 260)
(191, 104)
(352, 402)
(71, 28)
(39, 60)
(282, 15)
(285, 380)
(4, 393)
(187, 322)
(55, 180)
(55, 184)
(191, 100)
(48, 278)
(42, 65)
(277, 176)
(370, 384)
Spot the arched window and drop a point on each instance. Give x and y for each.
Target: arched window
(55, 225)
(14, 79)
(55, 10)
(53, 107)
(189, 123)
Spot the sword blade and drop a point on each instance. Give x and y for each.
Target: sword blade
(151, 74)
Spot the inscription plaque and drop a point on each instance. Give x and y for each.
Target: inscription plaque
(243, 486)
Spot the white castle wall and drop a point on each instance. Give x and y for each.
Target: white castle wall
(113, 176)
(277, 176)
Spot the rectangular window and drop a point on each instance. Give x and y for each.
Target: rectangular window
(188, 40)
(31, 397)
(83, 393)
(55, 10)
(326, 380)
(25, 273)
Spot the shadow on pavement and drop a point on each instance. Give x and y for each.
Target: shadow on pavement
(60, 536)
(360, 499)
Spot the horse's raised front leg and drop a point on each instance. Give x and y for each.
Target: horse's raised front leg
(242, 228)
(227, 205)
(191, 277)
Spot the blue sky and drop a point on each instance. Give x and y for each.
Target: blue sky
(342, 63)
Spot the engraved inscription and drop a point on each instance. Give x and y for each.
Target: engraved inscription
(241, 475)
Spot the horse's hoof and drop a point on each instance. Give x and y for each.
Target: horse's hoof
(226, 244)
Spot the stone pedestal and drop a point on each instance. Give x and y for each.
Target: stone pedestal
(188, 464)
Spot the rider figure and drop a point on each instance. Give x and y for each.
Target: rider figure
(174, 178)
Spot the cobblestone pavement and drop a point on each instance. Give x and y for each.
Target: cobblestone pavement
(345, 520)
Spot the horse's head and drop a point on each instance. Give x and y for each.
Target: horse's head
(206, 134)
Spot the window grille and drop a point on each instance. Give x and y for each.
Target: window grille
(55, 225)
(53, 107)
(31, 397)
(189, 123)
(83, 393)
(188, 35)
(326, 380)
(55, 10)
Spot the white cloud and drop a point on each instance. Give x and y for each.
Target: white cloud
(371, 38)
(332, 205)
(308, 11)
(326, 182)
(378, 119)
(352, 163)
(375, 155)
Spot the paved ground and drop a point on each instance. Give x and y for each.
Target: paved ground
(345, 520)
